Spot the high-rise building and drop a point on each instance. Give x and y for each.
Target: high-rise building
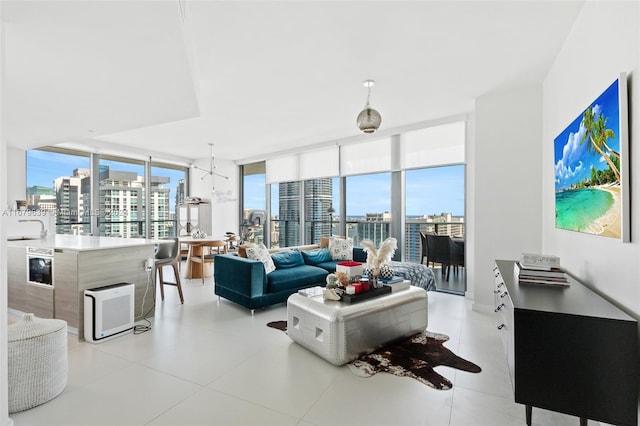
(122, 205)
(70, 202)
(37, 193)
(318, 197)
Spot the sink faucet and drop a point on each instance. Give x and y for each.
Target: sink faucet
(43, 232)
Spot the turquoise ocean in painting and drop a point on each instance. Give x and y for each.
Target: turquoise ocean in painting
(579, 209)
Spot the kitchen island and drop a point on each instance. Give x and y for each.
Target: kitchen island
(79, 263)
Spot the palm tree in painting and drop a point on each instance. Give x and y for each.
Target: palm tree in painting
(597, 134)
(602, 134)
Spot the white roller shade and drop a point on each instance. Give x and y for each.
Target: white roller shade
(365, 157)
(433, 146)
(320, 163)
(282, 169)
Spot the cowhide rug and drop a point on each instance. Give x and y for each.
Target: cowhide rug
(414, 357)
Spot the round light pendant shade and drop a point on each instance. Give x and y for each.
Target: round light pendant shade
(369, 120)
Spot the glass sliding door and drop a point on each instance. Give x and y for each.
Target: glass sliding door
(434, 203)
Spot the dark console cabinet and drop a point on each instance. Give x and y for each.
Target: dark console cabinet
(569, 350)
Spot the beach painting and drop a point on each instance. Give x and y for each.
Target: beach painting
(590, 168)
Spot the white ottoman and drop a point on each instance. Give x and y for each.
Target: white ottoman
(37, 358)
(340, 332)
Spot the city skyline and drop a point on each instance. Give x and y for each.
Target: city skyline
(429, 191)
(45, 166)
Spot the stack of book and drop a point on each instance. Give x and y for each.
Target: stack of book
(396, 283)
(537, 274)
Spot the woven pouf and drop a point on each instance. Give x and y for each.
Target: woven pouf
(38, 363)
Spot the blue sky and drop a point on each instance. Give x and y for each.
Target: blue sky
(572, 161)
(428, 191)
(43, 167)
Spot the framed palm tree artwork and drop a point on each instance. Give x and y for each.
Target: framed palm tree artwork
(592, 167)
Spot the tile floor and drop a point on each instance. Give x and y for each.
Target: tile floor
(212, 363)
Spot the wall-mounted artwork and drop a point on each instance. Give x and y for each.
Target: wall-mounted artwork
(592, 167)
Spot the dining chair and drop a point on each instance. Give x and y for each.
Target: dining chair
(443, 250)
(457, 253)
(424, 246)
(206, 252)
(168, 254)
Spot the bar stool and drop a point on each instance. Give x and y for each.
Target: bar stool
(168, 254)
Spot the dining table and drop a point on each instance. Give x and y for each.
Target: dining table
(195, 249)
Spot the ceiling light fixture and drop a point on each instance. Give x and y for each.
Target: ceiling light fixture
(212, 167)
(369, 119)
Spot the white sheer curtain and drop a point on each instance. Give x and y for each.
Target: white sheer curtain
(365, 157)
(434, 146)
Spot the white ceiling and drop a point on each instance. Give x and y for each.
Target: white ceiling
(165, 78)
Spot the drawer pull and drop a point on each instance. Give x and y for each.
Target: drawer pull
(497, 274)
(500, 306)
(501, 326)
(503, 294)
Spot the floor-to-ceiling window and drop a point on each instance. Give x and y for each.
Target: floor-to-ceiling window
(60, 180)
(423, 167)
(168, 189)
(321, 202)
(254, 203)
(434, 202)
(122, 198)
(368, 207)
(55, 182)
(285, 214)
(433, 160)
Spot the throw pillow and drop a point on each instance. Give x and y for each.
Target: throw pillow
(316, 256)
(261, 254)
(341, 248)
(287, 259)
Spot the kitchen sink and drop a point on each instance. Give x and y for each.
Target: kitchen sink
(22, 238)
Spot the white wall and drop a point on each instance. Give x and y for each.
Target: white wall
(504, 181)
(16, 165)
(4, 377)
(604, 41)
(225, 198)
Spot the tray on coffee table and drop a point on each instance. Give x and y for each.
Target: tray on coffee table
(374, 292)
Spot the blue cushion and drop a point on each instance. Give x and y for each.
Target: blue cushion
(328, 266)
(316, 256)
(293, 278)
(287, 259)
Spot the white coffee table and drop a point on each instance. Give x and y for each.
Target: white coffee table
(341, 332)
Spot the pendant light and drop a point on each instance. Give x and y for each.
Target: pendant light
(369, 119)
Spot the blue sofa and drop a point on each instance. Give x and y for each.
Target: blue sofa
(244, 281)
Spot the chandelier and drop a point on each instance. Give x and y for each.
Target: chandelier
(212, 167)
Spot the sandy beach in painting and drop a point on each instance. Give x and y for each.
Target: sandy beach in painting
(608, 225)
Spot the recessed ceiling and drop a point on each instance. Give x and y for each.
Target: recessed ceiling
(258, 77)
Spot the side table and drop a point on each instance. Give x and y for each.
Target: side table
(341, 332)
